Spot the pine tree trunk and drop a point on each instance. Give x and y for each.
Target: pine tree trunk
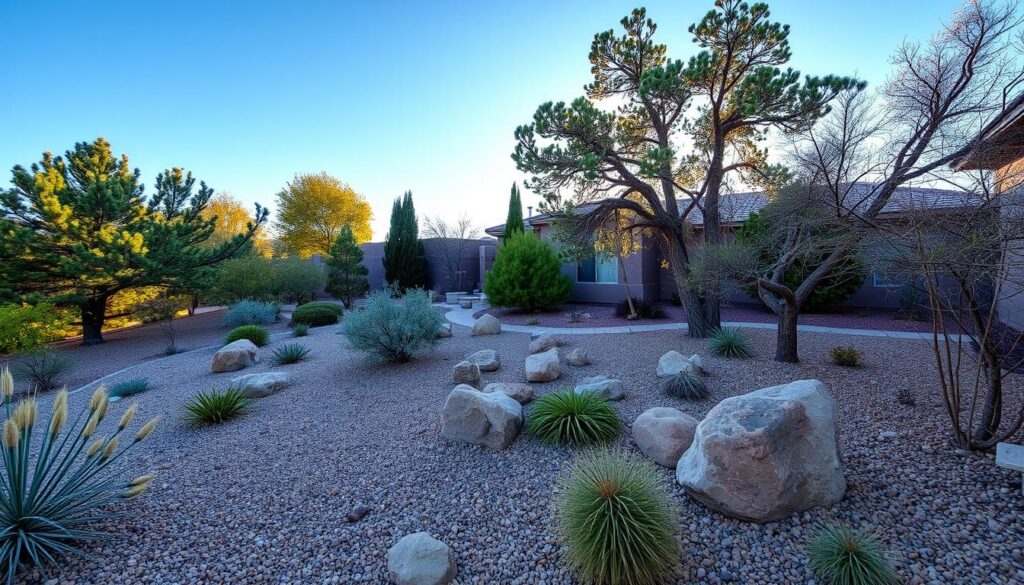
(94, 311)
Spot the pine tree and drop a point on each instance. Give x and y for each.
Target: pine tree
(346, 275)
(405, 260)
(514, 221)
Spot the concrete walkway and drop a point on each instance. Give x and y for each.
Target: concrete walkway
(464, 317)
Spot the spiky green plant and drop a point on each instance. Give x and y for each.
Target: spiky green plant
(686, 385)
(617, 520)
(841, 555)
(127, 388)
(573, 418)
(300, 329)
(213, 407)
(290, 353)
(730, 342)
(57, 486)
(253, 333)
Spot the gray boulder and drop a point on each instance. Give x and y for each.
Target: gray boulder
(610, 388)
(664, 434)
(521, 393)
(470, 416)
(262, 384)
(235, 356)
(466, 373)
(487, 325)
(486, 359)
(578, 357)
(445, 331)
(420, 559)
(674, 362)
(768, 454)
(544, 366)
(544, 342)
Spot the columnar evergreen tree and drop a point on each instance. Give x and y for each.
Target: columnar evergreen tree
(514, 221)
(77, 230)
(405, 261)
(346, 275)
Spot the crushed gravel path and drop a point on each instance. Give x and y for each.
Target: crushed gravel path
(263, 499)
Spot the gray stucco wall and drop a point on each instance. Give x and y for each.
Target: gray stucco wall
(373, 259)
(1011, 297)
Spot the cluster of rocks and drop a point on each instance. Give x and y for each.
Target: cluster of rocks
(241, 354)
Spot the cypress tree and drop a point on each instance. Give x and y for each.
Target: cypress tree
(514, 221)
(346, 275)
(405, 260)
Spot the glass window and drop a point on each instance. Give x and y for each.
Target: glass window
(598, 268)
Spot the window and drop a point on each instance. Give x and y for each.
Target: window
(883, 281)
(598, 268)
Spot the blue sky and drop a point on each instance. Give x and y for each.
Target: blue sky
(387, 96)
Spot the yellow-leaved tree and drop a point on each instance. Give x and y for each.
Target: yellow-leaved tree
(233, 218)
(311, 210)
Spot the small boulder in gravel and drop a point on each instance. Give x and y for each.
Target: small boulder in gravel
(261, 384)
(674, 362)
(486, 359)
(444, 331)
(420, 559)
(610, 388)
(466, 373)
(544, 342)
(235, 356)
(470, 416)
(664, 434)
(358, 513)
(768, 454)
(544, 366)
(487, 325)
(521, 393)
(578, 357)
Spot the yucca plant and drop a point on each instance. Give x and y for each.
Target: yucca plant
(617, 520)
(57, 485)
(215, 407)
(730, 342)
(300, 329)
(290, 353)
(573, 418)
(686, 385)
(253, 333)
(841, 555)
(128, 388)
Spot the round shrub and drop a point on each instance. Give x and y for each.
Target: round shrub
(317, 314)
(841, 555)
(392, 329)
(573, 418)
(253, 333)
(617, 520)
(686, 385)
(527, 275)
(250, 312)
(730, 342)
(846, 356)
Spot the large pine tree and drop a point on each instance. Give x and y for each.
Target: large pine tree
(346, 275)
(514, 221)
(405, 261)
(77, 230)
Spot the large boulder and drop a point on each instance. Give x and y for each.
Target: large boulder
(521, 393)
(543, 342)
(674, 362)
(486, 359)
(610, 388)
(466, 373)
(578, 357)
(768, 454)
(487, 325)
(544, 366)
(261, 384)
(235, 356)
(489, 419)
(664, 434)
(420, 559)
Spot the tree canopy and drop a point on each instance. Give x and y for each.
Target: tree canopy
(346, 274)
(311, 210)
(231, 219)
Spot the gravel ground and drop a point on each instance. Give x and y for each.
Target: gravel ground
(263, 499)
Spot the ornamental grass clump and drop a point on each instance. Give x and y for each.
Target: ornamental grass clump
(128, 388)
(251, 312)
(617, 520)
(686, 385)
(573, 418)
(59, 480)
(290, 353)
(730, 342)
(213, 407)
(300, 329)
(841, 555)
(395, 330)
(254, 333)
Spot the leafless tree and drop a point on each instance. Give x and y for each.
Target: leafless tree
(454, 237)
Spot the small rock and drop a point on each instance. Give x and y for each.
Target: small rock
(487, 325)
(466, 373)
(420, 559)
(544, 342)
(543, 367)
(358, 513)
(664, 434)
(610, 388)
(261, 384)
(486, 359)
(445, 330)
(673, 362)
(521, 393)
(470, 416)
(235, 356)
(578, 357)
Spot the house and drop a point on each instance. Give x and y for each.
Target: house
(1000, 148)
(600, 280)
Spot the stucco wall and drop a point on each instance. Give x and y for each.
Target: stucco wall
(1011, 297)
(373, 259)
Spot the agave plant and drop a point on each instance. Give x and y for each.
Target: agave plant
(58, 480)
(841, 555)
(290, 353)
(213, 407)
(730, 342)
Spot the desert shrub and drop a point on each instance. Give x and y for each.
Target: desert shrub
(161, 310)
(534, 321)
(45, 369)
(841, 555)
(686, 385)
(290, 353)
(297, 280)
(26, 328)
(644, 309)
(215, 407)
(253, 333)
(730, 342)
(59, 489)
(247, 277)
(300, 329)
(617, 520)
(128, 388)
(251, 312)
(394, 329)
(905, 396)
(573, 418)
(316, 314)
(527, 275)
(847, 356)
